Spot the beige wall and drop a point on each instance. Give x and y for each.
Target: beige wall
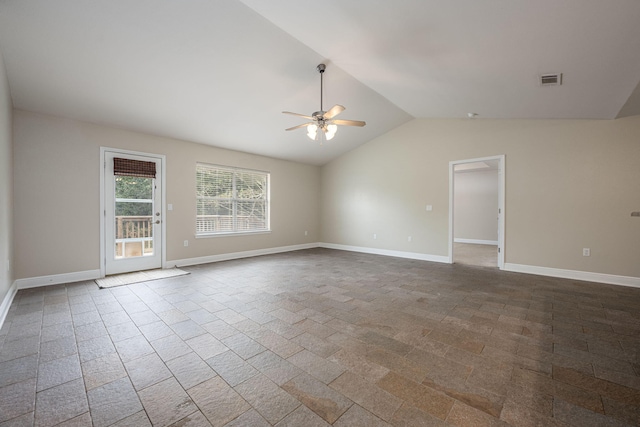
(569, 184)
(475, 205)
(6, 185)
(57, 174)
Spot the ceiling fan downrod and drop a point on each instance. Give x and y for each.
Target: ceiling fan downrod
(321, 68)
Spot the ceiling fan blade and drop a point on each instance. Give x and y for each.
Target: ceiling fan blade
(333, 111)
(298, 114)
(300, 126)
(349, 122)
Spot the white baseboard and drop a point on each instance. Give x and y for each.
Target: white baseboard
(476, 241)
(386, 252)
(586, 276)
(6, 303)
(239, 255)
(57, 279)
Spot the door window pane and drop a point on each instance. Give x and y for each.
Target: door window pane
(133, 216)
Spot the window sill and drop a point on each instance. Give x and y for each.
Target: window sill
(233, 233)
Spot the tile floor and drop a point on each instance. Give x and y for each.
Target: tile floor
(322, 337)
(474, 254)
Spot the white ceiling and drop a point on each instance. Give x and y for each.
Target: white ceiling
(220, 72)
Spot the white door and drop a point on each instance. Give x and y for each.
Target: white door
(133, 220)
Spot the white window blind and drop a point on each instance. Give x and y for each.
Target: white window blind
(231, 200)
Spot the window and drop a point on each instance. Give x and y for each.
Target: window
(231, 200)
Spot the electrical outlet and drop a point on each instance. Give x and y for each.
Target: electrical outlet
(375, 236)
(429, 208)
(306, 233)
(186, 243)
(586, 252)
(409, 239)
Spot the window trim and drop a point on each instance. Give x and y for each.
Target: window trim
(235, 232)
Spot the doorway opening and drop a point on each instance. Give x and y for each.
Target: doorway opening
(476, 211)
(132, 226)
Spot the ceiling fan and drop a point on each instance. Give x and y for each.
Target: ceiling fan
(323, 125)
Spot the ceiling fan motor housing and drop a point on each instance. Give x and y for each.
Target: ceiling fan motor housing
(318, 117)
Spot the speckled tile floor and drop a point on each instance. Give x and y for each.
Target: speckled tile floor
(322, 337)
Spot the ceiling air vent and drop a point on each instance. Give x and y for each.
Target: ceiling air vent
(554, 79)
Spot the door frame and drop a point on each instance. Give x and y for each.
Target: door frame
(103, 212)
(501, 204)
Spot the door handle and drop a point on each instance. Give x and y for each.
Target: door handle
(157, 221)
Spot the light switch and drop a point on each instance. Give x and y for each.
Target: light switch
(170, 207)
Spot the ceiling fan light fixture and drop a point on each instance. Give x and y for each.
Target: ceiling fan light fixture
(312, 131)
(330, 132)
(321, 133)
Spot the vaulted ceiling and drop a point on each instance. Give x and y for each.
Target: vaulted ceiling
(220, 72)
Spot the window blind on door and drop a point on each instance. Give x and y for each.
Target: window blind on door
(129, 167)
